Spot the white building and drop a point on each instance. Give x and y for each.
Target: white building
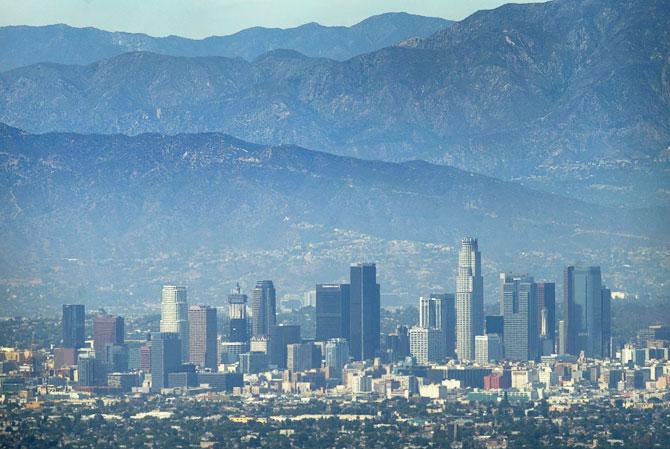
(469, 299)
(426, 344)
(174, 315)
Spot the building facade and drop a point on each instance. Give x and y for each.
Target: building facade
(280, 337)
(426, 344)
(364, 338)
(73, 326)
(237, 317)
(337, 355)
(263, 308)
(488, 349)
(165, 358)
(332, 311)
(107, 330)
(202, 324)
(583, 310)
(521, 335)
(546, 303)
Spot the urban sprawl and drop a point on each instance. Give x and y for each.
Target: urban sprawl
(457, 378)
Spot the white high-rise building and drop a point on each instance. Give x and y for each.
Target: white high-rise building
(469, 299)
(426, 344)
(174, 315)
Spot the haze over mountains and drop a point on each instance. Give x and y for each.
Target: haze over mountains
(563, 96)
(131, 212)
(566, 102)
(25, 45)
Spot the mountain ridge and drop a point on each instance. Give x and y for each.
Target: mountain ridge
(485, 95)
(61, 43)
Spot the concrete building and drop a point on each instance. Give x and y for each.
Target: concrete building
(426, 344)
(202, 324)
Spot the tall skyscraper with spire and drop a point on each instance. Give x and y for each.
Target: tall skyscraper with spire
(469, 299)
(174, 315)
(263, 308)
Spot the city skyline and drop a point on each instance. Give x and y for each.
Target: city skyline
(303, 224)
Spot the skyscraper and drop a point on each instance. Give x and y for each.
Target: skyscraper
(364, 312)
(299, 356)
(280, 337)
(237, 317)
(73, 326)
(495, 324)
(165, 358)
(87, 370)
(107, 330)
(583, 311)
(337, 355)
(506, 276)
(546, 303)
(263, 308)
(521, 336)
(606, 295)
(202, 336)
(439, 312)
(332, 311)
(174, 315)
(469, 299)
(488, 349)
(426, 344)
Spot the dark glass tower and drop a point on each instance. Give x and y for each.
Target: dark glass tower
(280, 337)
(264, 308)
(165, 358)
(583, 311)
(364, 312)
(546, 317)
(332, 311)
(73, 326)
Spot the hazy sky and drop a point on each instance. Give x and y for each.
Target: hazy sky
(200, 18)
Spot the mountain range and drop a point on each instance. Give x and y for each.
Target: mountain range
(26, 45)
(564, 96)
(85, 216)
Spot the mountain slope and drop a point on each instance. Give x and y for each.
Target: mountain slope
(121, 214)
(26, 45)
(565, 96)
